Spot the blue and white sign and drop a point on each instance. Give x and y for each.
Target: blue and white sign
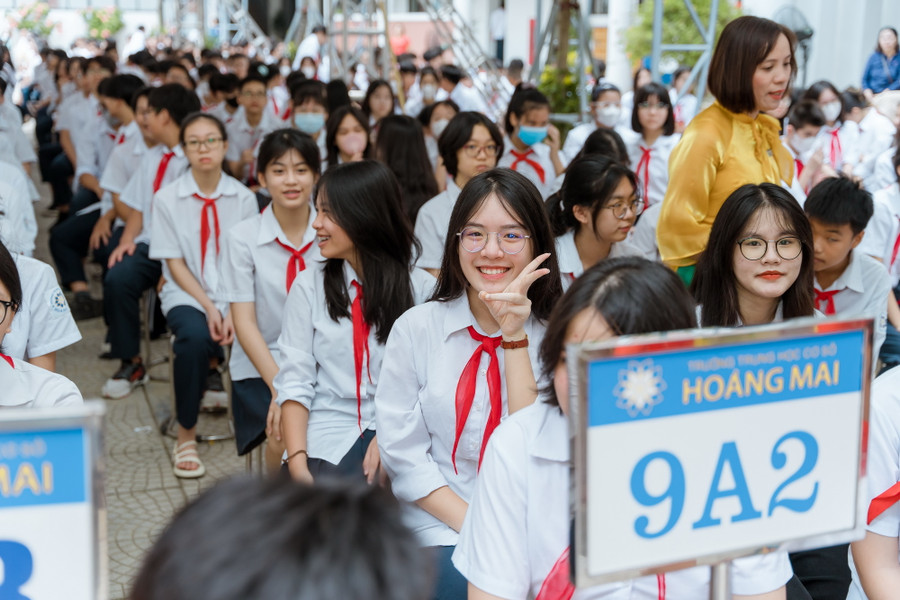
(49, 506)
(695, 448)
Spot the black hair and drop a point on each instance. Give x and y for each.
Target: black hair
(3, 86)
(206, 71)
(458, 133)
(334, 123)
(319, 29)
(590, 181)
(852, 98)
(408, 67)
(299, 542)
(815, 90)
(143, 92)
(632, 294)
(223, 82)
(432, 52)
(281, 141)
(643, 94)
(524, 99)
(840, 201)
(428, 70)
(425, 114)
(452, 73)
(715, 286)
(309, 89)
(121, 87)
(605, 142)
(363, 198)
(523, 202)
(175, 99)
(9, 277)
(602, 88)
(177, 66)
(806, 112)
(401, 146)
(294, 78)
(374, 87)
(103, 61)
(336, 95)
(188, 56)
(250, 78)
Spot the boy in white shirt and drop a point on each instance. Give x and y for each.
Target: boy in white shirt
(803, 125)
(248, 128)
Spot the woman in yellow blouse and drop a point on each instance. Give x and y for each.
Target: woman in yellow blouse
(730, 143)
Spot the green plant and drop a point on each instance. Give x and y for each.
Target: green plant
(103, 22)
(561, 88)
(33, 17)
(677, 28)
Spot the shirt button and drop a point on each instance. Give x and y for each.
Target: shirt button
(484, 371)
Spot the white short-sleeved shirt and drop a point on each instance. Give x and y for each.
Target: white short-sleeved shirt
(177, 233)
(43, 323)
(254, 269)
(93, 147)
(538, 153)
(883, 462)
(883, 230)
(570, 265)
(138, 194)
(426, 353)
(653, 177)
(18, 225)
(242, 136)
(71, 112)
(317, 367)
(876, 134)
(883, 173)
(220, 112)
(124, 159)
(643, 235)
(468, 99)
(16, 145)
(864, 286)
(836, 144)
(575, 141)
(685, 108)
(432, 222)
(27, 386)
(518, 522)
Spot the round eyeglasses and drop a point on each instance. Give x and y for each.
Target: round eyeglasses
(474, 239)
(754, 248)
(473, 150)
(620, 209)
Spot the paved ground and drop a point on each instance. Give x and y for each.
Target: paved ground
(141, 491)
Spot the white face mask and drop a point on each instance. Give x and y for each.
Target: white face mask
(309, 72)
(285, 70)
(438, 127)
(802, 145)
(832, 110)
(608, 116)
(429, 91)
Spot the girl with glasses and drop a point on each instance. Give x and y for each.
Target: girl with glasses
(441, 392)
(593, 214)
(337, 319)
(189, 217)
(758, 266)
(651, 140)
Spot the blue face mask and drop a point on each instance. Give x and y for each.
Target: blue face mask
(532, 135)
(309, 123)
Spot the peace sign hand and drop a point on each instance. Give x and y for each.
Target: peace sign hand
(511, 307)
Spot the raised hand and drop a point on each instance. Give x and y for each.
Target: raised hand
(511, 307)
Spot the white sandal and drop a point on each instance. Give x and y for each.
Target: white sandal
(187, 453)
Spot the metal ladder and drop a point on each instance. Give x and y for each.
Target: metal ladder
(236, 23)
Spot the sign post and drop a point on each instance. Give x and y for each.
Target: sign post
(695, 448)
(51, 503)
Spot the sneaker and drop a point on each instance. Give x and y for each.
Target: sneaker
(214, 398)
(129, 376)
(84, 307)
(105, 351)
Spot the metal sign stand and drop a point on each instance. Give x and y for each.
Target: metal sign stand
(720, 581)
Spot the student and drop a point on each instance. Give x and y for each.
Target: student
(466, 97)
(831, 139)
(758, 265)
(469, 145)
(683, 101)
(379, 101)
(400, 145)
(345, 307)
(518, 524)
(593, 214)
(872, 132)
(131, 270)
(651, 141)
(804, 122)
(25, 385)
(429, 91)
(309, 110)
(533, 141)
(248, 128)
(261, 258)
(847, 281)
(456, 346)
(642, 77)
(189, 216)
(434, 119)
(347, 135)
(223, 88)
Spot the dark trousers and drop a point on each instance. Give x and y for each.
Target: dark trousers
(193, 347)
(69, 239)
(122, 289)
(450, 583)
(43, 128)
(250, 399)
(58, 176)
(498, 45)
(824, 572)
(350, 466)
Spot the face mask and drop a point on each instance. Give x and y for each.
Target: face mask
(832, 110)
(532, 135)
(309, 123)
(438, 127)
(353, 144)
(309, 72)
(608, 116)
(285, 70)
(111, 120)
(802, 145)
(429, 91)
(232, 102)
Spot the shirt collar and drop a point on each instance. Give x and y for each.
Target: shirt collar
(850, 279)
(552, 440)
(567, 255)
(187, 186)
(459, 316)
(270, 229)
(15, 392)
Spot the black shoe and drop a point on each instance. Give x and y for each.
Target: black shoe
(214, 398)
(85, 307)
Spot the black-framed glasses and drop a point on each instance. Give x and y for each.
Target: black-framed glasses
(754, 248)
(474, 239)
(473, 150)
(620, 209)
(6, 305)
(212, 143)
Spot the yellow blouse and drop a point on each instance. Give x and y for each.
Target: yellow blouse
(718, 152)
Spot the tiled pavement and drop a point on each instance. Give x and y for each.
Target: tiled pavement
(141, 491)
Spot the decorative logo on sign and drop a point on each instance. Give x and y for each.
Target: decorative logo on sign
(640, 387)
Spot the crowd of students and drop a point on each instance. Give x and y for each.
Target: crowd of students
(452, 255)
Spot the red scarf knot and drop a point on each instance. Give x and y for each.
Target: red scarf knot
(523, 157)
(296, 264)
(360, 346)
(209, 205)
(161, 170)
(828, 299)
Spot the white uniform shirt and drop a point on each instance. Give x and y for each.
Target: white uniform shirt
(883, 173)
(575, 141)
(425, 356)
(685, 108)
(883, 230)
(432, 222)
(653, 176)
(876, 134)
(177, 234)
(794, 188)
(839, 144)
(317, 367)
(27, 386)
(643, 235)
(254, 269)
(468, 99)
(93, 147)
(220, 112)
(138, 194)
(864, 287)
(18, 225)
(124, 161)
(538, 153)
(242, 136)
(570, 265)
(517, 525)
(44, 323)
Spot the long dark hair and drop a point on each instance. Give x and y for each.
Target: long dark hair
(632, 294)
(714, 285)
(334, 123)
(363, 198)
(523, 202)
(401, 146)
(662, 95)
